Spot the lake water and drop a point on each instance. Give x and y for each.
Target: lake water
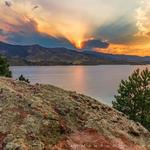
(100, 82)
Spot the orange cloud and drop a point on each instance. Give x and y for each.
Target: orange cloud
(76, 31)
(56, 25)
(78, 23)
(139, 50)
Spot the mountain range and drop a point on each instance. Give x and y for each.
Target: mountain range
(39, 55)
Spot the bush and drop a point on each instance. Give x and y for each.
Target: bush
(4, 67)
(133, 97)
(22, 78)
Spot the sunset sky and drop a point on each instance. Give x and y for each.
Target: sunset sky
(110, 26)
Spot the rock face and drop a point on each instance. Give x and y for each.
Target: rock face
(44, 117)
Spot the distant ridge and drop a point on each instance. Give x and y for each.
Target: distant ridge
(39, 55)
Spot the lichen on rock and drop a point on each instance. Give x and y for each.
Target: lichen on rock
(44, 117)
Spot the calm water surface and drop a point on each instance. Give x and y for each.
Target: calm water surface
(100, 82)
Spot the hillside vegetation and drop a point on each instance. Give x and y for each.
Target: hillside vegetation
(44, 117)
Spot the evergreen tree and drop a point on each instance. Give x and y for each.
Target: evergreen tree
(133, 97)
(4, 67)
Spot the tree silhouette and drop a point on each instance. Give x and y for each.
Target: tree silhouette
(22, 78)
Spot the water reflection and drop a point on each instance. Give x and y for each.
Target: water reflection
(100, 82)
(79, 78)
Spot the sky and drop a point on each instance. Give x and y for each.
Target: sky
(109, 26)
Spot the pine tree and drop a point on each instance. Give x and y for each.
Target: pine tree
(133, 97)
(4, 67)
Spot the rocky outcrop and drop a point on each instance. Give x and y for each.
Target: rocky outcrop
(44, 117)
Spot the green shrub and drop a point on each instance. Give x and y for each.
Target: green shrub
(4, 67)
(22, 78)
(133, 97)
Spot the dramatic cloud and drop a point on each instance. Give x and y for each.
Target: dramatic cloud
(123, 23)
(126, 49)
(120, 31)
(26, 33)
(94, 43)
